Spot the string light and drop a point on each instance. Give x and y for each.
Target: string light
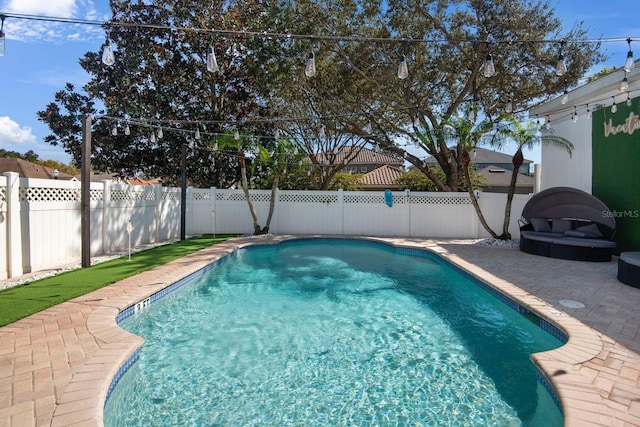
(114, 130)
(196, 135)
(212, 62)
(160, 133)
(589, 115)
(614, 107)
(547, 124)
(367, 128)
(629, 63)
(127, 130)
(108, 58)
(565, 97)
(538, 127)
(236, 135)
(489, 66)
(403, 68)
(575, 114)
(624, 85)
(310, 68)
(561, 66)
(508, 108)
(628, 101)
(2, 36)
(152, 138)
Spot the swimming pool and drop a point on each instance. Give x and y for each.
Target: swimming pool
(333, 332)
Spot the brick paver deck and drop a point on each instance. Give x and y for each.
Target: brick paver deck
(56, 365)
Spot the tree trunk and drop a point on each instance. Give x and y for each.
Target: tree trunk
(272, 202)
(466, 159)
(245, 189)
(517, 160)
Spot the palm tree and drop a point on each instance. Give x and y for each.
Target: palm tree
(469, 135)
(525, 136)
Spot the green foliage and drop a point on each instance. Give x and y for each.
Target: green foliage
(23, 300)
(416, 180)
(347, 181)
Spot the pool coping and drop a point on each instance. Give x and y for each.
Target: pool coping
(79, 395)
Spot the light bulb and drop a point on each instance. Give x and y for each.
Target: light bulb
(2, 39)
(367, 128)
(310, 69)
(197, 134)
(624, 85)
(589, 115)
(474, 153)
(114, 130)
(108, 58)
(575, 114)
(629, 63)
(565, 97)
(509, 107)
(152, 138)
(322, 131)
(628, 102)
(403, 68)
(416, 121)
(212, 62)
(160, 133)
(489, 66)
(538, 127)
(236, 135)
(277, 135)
(561, 66)
(547, 124)
(614, 107)
(472, 114)
(127, 130)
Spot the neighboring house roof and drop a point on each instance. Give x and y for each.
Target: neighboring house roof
(499, 177)
(26, 169)
(485, 156)
(363, 156)
(384, 176)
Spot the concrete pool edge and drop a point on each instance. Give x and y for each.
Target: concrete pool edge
(83, 399)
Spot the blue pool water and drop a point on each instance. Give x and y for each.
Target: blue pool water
(333, 332)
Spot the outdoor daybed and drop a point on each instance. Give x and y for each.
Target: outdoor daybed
(567, 223)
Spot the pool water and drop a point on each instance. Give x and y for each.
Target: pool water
(333, 332)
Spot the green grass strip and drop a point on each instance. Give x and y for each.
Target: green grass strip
(23, 300)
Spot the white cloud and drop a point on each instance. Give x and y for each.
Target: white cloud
(58, 8)
(12, 134)
(28, 30)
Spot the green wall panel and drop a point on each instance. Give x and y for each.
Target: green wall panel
(616, 168)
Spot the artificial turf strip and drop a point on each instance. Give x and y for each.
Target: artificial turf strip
(23, 300)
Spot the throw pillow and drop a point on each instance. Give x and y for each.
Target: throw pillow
(561, 225)
(590, 230)
(540, 224)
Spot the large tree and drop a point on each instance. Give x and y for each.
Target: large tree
(360, 43)
(159, 81)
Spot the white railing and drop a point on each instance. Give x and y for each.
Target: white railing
(40, 219)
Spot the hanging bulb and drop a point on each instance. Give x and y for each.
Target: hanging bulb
(538, 127)
(114, 130)
(152, 138)
(629, 63)
(628, 101)
(547, 124)
(108, 58)
(509, 106)
(416, 121)
(309, 172)
(160, 133)
(236, 135)
(575, 114)
(277, 135)
(614, 107)
(127, 130)
(472, 114)
(489, 66)
(197, 134)
(367, 128)
(322, 131)
(295, 151)
(561, 65)
(624, 85)
(449, 158)
(310, 68)
(2, 37)
(589, 115)
(403, 68)
(474, 153)
(212, 62)
(565, 97)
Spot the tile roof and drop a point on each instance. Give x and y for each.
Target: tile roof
(484, 156)
(500, 177)
(363, 156)
(384, 176)
(26, 169)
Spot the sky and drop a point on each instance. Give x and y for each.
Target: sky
(41, 57)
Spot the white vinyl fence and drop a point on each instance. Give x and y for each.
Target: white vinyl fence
(40, 218)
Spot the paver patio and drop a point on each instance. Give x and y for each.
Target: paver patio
(56, 365)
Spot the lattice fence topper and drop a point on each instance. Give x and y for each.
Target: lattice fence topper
(201, 195)
(308, 198)
(96, 195)
(170, 195)
(373, 198)
(3, 196)
(440, 200)
(40, 194)
(239, 197)
(132, 196)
